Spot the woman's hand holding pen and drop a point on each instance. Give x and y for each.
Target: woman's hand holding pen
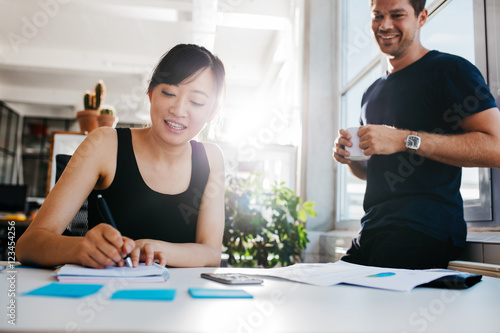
(104, 246)
(145, 252)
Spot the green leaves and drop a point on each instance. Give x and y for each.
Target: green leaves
(264, 228)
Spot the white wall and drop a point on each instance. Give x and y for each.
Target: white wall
(320, 120)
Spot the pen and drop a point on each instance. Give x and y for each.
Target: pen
(103, 208)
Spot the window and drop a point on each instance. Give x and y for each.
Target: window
(454, 27)
(358, 48)
(35, 151)
(9, 121)
(351, 201)
(261, 134)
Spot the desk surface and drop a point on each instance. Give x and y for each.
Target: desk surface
(278, 306)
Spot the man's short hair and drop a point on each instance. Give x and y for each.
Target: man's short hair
(418, 5)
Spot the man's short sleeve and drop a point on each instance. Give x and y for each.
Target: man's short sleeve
(464, 89)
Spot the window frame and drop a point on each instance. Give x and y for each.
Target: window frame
(477, 212)
(10, 120)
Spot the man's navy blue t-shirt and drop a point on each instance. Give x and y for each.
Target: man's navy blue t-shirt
(431, 95)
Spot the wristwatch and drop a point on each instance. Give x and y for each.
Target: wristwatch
(412, 142)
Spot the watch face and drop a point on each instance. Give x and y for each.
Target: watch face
(413, 142)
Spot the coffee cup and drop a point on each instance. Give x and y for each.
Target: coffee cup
(356, 153)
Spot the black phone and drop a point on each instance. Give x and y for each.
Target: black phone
(231, 278)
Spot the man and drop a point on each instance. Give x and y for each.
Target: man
(430, 115)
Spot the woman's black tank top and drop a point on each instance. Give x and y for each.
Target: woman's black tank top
(138, 211)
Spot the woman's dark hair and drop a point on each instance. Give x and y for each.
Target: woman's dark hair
(185, 60)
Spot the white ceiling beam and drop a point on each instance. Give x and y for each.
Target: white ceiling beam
(180, 5)
(154, 10)
(69, 100)
(252, 21)
(44, 96)
(65, 60)
(175, 11)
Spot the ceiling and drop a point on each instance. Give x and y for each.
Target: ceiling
(51, 51)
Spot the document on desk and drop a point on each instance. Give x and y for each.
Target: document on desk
(142, 273)
(330, 274)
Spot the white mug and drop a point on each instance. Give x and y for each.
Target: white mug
(356, 153)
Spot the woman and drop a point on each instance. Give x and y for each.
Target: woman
(164, 190)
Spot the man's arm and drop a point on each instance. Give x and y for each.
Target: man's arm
(479, 146)
(358, 169)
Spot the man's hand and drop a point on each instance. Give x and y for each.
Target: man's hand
(358, 168)
(339, 152)
(381, 139)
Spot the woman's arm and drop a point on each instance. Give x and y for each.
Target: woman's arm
(210, 227)
(42, 244)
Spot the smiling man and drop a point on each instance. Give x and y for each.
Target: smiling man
(431, 114)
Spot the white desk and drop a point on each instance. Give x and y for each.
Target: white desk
(278, 306)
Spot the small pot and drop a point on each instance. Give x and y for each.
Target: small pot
(87, 119)
(107, 120)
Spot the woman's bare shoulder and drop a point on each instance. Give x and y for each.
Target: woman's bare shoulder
(97, 147)
(215, 155)
(103, 135)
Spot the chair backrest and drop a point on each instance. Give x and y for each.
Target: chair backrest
(80, 224)
(13, 198)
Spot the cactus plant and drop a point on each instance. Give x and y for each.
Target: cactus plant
(87, 104)
(93, 100)
(107, 110)
(107, 116)
(99, 94)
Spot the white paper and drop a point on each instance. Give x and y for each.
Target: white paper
(142, 273)
(330, 274)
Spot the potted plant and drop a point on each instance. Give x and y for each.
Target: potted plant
(107, 116)
(264, 228)
(87, 118)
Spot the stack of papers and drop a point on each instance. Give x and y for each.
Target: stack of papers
(330, 274)
(143, 273)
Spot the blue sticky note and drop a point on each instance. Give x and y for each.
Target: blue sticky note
(74, 290)
(385, 274)
(145, 294)
(218, 293)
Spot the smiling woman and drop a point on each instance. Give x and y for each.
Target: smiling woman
(153, 179)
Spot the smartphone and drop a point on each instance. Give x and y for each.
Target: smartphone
(231, 278)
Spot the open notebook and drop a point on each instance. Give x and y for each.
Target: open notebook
(143, 273)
